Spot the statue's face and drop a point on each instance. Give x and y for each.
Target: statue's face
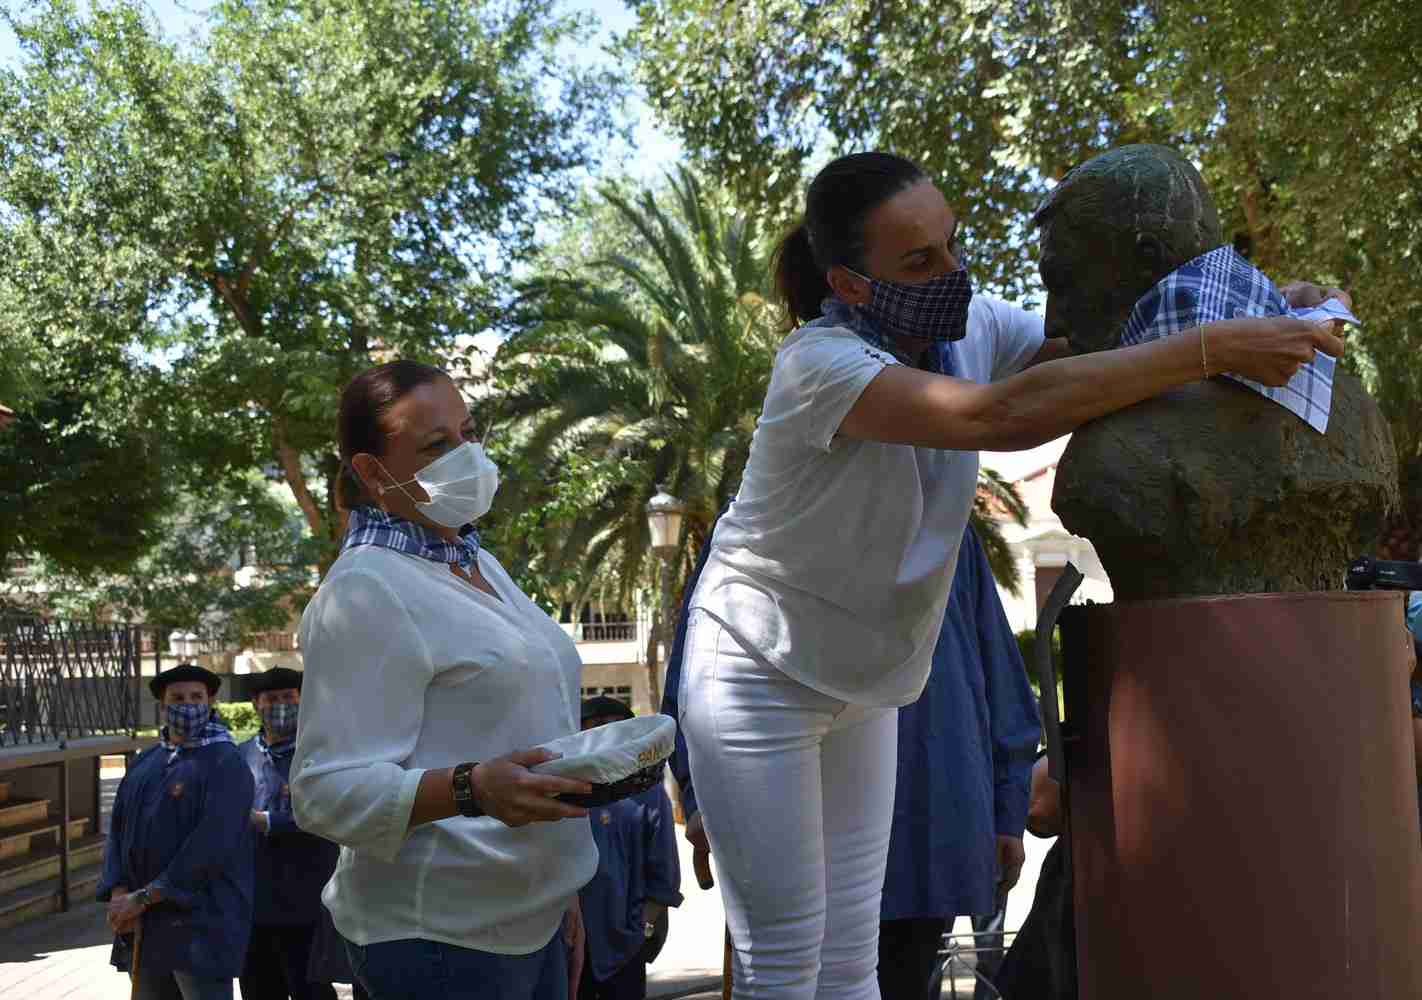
(1092, 276)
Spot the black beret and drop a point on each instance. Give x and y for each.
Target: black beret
(185, 672)
(276, 679)
(603, 705)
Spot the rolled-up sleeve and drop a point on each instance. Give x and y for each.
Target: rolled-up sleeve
(815, 383)
(362, 705)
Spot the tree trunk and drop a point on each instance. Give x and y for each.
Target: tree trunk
(290, 461)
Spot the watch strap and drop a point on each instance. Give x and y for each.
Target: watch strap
(463, 784)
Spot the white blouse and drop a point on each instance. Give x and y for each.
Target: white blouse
(408, 668)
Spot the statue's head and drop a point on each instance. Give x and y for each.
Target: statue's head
(1110, 230)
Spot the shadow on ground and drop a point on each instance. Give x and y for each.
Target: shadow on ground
(81, 927)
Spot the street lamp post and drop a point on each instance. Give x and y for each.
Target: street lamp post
(664, 513)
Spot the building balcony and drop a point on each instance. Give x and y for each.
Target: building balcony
(609, 642)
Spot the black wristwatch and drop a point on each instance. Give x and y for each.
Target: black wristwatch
(463, 783)
(144, 897)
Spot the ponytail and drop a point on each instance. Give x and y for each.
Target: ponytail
(800, 284)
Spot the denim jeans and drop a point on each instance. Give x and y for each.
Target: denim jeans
(172, 985)
(416, 969)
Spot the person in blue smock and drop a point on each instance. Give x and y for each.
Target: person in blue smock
(292, 866)
(966, 749)
(178, 861)
(638, 878)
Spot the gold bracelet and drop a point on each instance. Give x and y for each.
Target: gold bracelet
(1204, 363)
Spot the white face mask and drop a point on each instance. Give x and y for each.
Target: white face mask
(460, 484)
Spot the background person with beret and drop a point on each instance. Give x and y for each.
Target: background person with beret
(291, 866)
(178, 861)
(638, 877)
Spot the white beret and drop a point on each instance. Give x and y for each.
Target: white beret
(618, 759)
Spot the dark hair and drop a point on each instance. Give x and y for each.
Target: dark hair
(832, 230)
(364, 401)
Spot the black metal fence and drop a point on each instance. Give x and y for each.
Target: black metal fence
(63, 680)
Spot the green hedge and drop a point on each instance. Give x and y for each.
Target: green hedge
(241, 718)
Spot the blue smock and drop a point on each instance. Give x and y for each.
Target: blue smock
(637, 861)
(185, 829)
(292, 866)
(966, 750)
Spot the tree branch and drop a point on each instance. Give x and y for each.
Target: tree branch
(237, 302)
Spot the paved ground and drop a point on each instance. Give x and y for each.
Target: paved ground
(691, 959)
(65, 957)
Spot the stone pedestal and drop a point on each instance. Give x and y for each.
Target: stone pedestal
(1213, 489)
(1243, 798)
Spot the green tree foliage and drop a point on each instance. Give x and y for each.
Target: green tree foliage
(83, 473)
(229, 560)
(997, 499)
(301, 191)
(762, 89)
(1304, 119)
(241, 718)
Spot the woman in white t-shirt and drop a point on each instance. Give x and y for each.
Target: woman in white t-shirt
(428, 677)
(817, 611)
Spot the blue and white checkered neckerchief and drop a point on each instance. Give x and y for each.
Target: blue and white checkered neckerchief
(938, 359)
(373, 526)
(211, 732)
(1221, 284)
(278, 751)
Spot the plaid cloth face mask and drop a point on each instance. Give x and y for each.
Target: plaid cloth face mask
(187, 719)
(932, 310)
(280, 720)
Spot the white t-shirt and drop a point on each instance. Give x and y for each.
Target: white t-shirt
(410, 668)
(835, 560)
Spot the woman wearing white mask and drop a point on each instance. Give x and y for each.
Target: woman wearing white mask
(428, 675)
(823, 594)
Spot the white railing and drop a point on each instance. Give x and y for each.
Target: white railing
(615, 631)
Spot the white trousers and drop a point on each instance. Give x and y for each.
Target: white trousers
(796, 790)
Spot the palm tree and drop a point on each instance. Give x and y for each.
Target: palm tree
(644, 367)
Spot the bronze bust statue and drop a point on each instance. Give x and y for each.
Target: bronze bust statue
(1209, 488)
